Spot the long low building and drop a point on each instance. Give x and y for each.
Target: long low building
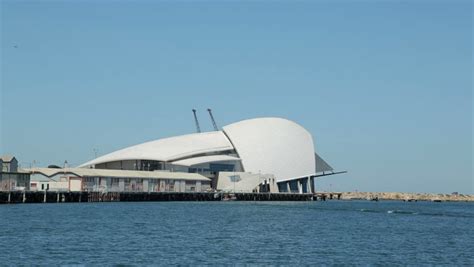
(100, 180)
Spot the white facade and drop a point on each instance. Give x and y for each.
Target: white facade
(264, 145)
(245, 181)
(273, 145)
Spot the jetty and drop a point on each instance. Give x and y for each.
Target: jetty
(12, 197)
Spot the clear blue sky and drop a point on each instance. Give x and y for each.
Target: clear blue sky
(384, 87)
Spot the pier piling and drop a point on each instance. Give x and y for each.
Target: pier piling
(67, 197)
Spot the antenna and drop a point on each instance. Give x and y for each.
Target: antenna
(212, 118)
(198, 129)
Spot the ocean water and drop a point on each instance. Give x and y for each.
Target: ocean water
(217, 233)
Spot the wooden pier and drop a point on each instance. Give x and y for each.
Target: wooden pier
(7, 197)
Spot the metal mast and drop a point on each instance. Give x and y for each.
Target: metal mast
(198, 129)
(212, 118)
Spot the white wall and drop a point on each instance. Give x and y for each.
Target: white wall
(244, 181)
(273, 145)
(75, 184)
(53, 186)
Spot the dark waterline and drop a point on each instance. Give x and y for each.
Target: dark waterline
(288, 233)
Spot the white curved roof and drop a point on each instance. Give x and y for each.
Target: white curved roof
(273, 145)
(264, 145)
(168, 149)
(205, 159)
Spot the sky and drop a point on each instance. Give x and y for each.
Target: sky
(384, 87)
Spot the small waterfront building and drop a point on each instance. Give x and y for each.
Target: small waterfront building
(102, 180)
(9, 164)
(12, 179)
(241, 182)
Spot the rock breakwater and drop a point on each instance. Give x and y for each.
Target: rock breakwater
(406, 196)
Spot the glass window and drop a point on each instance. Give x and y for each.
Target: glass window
(282, 187)
(218, 167)
(294, 186)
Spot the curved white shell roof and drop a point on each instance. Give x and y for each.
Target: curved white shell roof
(169, 149)
(273, 145)
(205, 159)
(264, 145)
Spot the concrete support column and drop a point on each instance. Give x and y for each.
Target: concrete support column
(198, 186)
(145, 185)
(108, 183)
(96, 184)
(121, 185)
(308, 185)
(176, 186)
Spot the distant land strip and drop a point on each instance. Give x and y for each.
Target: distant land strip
(406, 196)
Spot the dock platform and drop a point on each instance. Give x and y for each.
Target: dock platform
(11, 197)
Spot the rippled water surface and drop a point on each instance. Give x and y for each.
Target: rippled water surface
(278, 233)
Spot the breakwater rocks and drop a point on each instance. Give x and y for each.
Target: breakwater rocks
(406, 196)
